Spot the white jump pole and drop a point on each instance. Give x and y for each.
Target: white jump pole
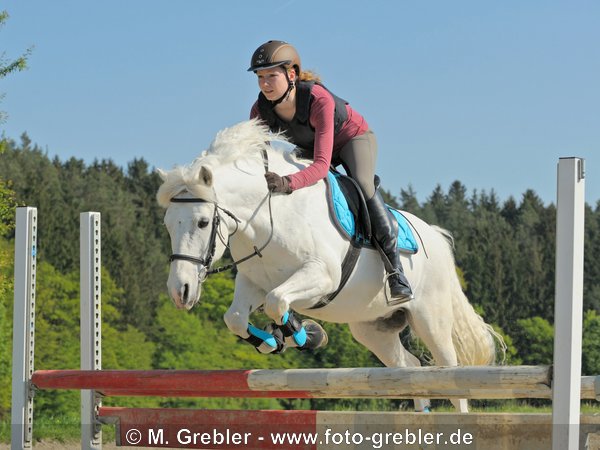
(23, 327)
(90, 324)
(568, 304)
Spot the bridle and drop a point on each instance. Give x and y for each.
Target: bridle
(206, 261)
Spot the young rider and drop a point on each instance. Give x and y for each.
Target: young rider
(314, 119)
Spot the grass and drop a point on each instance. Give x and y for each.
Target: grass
(515, 406)
(56, 429)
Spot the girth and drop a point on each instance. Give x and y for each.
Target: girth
(354, 248)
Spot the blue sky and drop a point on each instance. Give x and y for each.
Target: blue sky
(488, 93)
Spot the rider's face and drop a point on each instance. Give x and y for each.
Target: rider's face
(272, 82)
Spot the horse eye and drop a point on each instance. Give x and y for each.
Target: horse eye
(202, 223)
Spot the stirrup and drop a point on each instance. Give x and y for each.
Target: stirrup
(393, 301)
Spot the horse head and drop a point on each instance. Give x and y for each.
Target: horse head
(192, 219)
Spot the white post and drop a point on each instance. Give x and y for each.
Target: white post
(568, 308)
(23, 328)
(90, 324)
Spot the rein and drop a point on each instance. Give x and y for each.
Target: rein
(206, 261)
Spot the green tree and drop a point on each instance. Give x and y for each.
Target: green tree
(9, 65)
(6, 293)
(389, 199)
(591, 273)
(433, 210)
(535, 339)
(135, 245)
(57, 327)
(485, 255)
(590, 349)
(409, 202)
(504, 254)
(8, 204)
(7, 209)
(535, 235)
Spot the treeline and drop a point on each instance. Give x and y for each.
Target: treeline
(504, 252)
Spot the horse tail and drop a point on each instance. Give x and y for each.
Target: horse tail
(474, 340)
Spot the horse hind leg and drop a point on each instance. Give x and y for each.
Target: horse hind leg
(382, 337)
(435, 330)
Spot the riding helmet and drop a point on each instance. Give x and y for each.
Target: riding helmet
(273, 54)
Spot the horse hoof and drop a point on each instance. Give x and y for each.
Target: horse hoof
(315, 334)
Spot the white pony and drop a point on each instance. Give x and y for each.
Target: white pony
(295, 255)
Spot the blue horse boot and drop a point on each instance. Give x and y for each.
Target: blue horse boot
(305, 335)
(266, 341)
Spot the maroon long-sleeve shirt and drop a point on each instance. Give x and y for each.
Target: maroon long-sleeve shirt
(327, 142)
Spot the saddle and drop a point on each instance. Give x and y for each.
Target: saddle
(348, 210)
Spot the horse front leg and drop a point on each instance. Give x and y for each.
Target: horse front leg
(312, 281)
(247, 298)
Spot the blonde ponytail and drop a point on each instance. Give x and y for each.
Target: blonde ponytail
(309, 75)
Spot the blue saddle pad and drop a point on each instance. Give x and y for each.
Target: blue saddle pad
(347, 222)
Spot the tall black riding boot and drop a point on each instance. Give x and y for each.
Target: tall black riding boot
(385, 233)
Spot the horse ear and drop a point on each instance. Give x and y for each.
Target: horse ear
(205, 176)
(162, 174)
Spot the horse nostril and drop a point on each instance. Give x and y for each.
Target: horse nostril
(186, 291)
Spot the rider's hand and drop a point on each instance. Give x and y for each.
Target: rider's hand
(275, 183)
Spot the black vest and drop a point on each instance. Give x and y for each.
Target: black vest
(298, 130)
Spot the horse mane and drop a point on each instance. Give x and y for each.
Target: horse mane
(245, 139)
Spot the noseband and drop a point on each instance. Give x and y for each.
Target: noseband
(207, 260)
